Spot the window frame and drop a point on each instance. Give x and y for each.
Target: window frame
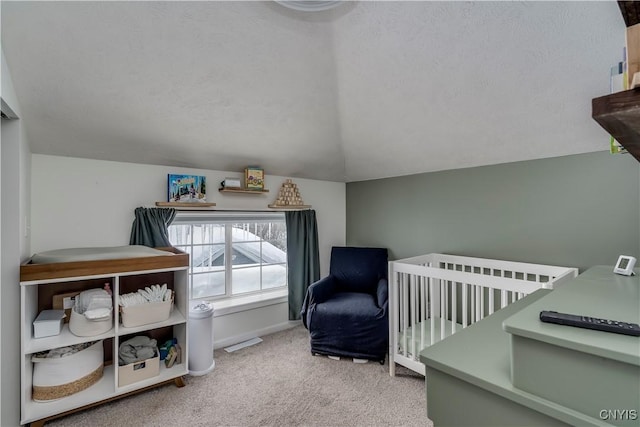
(228, 218)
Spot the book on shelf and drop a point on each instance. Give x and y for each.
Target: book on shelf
(618, 82)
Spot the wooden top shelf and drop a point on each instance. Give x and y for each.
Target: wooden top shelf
(290, 207)
(184, 205)
(619, 114)
(242, 190)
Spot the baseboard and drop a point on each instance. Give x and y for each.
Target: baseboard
(257, 333)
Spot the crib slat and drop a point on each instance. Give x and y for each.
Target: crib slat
(472, 303)
(491, 302)
(443, 307)
(465, 306)
(393, 320)
(412, 304)
(478, 294)
(405, 315)
(454, 306)
(423, 309)
(432, 303)
(503, 298)
(402, 308)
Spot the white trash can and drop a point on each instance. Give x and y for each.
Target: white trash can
(201, 339)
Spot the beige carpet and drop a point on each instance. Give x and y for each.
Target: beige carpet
(274, 383)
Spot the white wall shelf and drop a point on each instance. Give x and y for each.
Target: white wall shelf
(184, 205)
(289, 207)
(242, 191)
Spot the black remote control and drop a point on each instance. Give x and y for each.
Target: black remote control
(606, 325)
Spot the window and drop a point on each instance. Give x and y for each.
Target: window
(232, 253)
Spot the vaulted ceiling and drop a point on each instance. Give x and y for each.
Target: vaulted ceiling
(367, 90)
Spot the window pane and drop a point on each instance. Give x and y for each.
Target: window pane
(245, 253)
(274, 276)
(276, 234)
(180, 234)
(208, 233)
(245, 279)
(207, 258)
(244, 232)
(207, 284)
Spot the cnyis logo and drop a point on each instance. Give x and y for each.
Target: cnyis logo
(618, 414)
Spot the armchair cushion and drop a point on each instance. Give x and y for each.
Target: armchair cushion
(358, 269)
(382, 293)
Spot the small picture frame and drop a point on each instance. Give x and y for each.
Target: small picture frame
(186, 189)
(254, 178)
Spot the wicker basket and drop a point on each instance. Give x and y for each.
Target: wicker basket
(42, 393)
(60, 377)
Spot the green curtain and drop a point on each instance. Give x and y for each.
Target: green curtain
(150, 227)
(302, 256)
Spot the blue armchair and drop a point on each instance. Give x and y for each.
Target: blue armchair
(346, 312)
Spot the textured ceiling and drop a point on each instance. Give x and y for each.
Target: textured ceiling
(363, 91)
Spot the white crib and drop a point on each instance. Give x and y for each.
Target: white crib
(433, 296)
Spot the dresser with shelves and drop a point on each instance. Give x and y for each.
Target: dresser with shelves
(38, 284)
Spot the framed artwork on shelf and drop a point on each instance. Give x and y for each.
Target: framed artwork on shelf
(186, 189)
(254, 178)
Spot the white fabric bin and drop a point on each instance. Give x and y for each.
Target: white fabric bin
(80, 326)
(145, 314)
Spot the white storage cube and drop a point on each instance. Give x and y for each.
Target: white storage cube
(48, 323)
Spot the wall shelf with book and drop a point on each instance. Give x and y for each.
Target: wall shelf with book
(619, 114)
(241, 190)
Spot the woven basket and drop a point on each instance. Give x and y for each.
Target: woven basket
(58, 377)
(59, 391)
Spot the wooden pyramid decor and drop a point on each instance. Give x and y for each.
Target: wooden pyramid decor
(289, 197)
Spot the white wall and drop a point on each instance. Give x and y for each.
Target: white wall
(14, 247)
(20, 163)
(233, 328)
(79, 203)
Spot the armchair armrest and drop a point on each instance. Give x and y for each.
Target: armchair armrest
(322, 290)
(382, 293)
(317, 292)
